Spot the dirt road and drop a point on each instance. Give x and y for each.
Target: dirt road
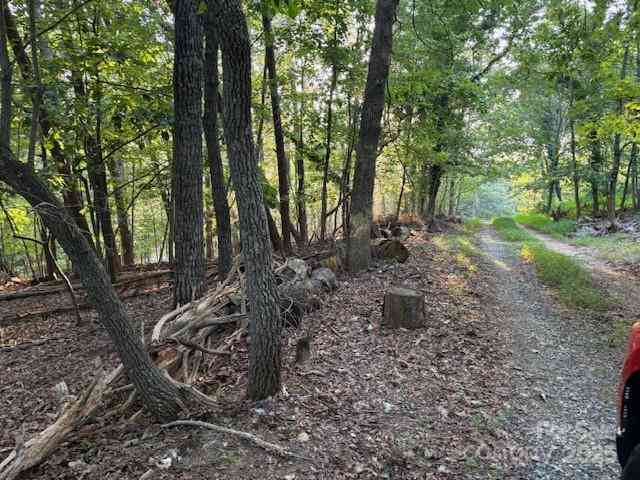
(564, 377)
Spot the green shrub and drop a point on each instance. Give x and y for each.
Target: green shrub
(544, 224)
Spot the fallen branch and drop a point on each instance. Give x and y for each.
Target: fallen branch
(37, 449)
(270, 447)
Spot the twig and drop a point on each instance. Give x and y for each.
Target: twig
(270, 447)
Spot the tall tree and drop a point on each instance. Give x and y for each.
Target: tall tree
(358, 243)
(214, 158)
(281, 154)
(187, 153)
(264, 316)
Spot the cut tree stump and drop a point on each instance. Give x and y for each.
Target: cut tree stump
(403, 308)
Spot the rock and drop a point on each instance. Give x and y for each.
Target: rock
(387, 407)
(303, 437)
(390, 250)
(401, 232)
(403, 308)
(326, 277)
(295, 270)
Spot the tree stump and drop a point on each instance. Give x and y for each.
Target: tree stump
(403, 308)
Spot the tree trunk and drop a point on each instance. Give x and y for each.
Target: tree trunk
(435, 180)
(301, 199)
(452, 198)
(576, 176)
(617, 153)
(214, 158)
(283, 161)
(404, 181)
(264, 315)
(595, 165)
(358, 242)
(158, 393)
(327, 155)
(70, 192)
(116, 168)
(187, 153)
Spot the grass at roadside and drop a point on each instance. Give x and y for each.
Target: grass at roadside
(544, 224)
(615, 247)
(572, 282)
(462, 246)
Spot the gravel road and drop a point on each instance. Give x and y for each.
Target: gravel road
(564, 377)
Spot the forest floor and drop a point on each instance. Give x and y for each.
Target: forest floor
(502, 383)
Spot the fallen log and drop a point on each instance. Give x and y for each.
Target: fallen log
(38, 292)
(51, 312)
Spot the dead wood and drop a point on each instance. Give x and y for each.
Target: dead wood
(270, 447)
(27, 455)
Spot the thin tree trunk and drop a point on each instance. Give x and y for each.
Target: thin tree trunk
(264, 316)
(300, 173)
(187, 153)
(98, 178)
(214, 158)
(116, 168)
(283, 161)
(595, 165)
(404, 181)
(617, 153)
(358, 242)
(452, 198)
(157, 392)
(327, 156)
(574, 161)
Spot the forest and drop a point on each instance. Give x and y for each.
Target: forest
(318, 238)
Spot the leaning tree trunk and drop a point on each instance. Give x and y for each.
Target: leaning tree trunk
(70, 191)
(214, 158)
(158, 393)
(187, 154)
(358, 243)
(283, 161)
(264, 316)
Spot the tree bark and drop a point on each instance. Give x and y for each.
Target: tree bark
(187, 153)
(283, 161)
(264, 316)
(214, 158)
(358, 242)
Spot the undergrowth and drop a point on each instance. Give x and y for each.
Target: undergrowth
(544, 224)
(572, 282)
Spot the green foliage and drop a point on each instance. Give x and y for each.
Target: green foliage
(544, 224)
